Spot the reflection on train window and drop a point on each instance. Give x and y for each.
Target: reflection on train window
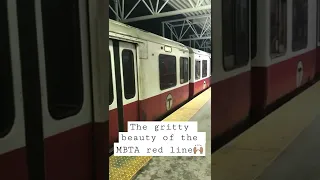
(6, 95)
(111, 97)
(129, 81)
(235, 27)
(253, 28)
(204, 68)
(189, 68)
(63, 59)
(168, 71)
(299, 24)
(197, 69)
(184, 68)
(278, 27)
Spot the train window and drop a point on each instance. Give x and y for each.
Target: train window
(63, 57)
(235, 27)
(299, 24)
(6, 79)
(167, 71)
(189, 68)
(204, 68)
(184, 68)
(278, 27)
(197, 70)
(253, 28)
(111, 97)
(128, 74)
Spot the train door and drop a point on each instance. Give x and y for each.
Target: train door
(66, 99)
(13, 153)
(124, 107)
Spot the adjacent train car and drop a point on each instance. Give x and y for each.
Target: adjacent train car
(200, 71)
(50, 86)
(150, 76)
(286, 53)
(260, 60)
(231, 65)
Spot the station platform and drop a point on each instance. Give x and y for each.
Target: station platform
(146, 168)
(284, 145)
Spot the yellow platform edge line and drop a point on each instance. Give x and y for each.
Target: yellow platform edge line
(126, 167)
(248, 155)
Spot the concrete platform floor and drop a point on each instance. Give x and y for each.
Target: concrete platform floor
(300, 160)
(183, 168)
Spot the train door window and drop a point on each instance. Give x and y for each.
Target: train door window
(6, 79)
(111, 96)
(278, 27)
(167, 71)
(299, 24)
(128, 74)
(189, 68)
(184, 68)
(63, 57)
(235, 27)
(197, 69)
(204, 68)
(253, 28)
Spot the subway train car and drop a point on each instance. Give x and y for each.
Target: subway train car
(260, 60)
(150, 79)
(200, 68)
(48, 129)
(286, 56)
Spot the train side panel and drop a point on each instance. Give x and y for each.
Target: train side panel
(283, 63)
(163, 79)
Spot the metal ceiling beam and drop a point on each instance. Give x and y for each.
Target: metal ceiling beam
(189, 18)
(196, 38)
(165, 14)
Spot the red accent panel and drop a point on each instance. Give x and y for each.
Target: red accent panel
(13, 165)
(282, 76)
(154, 107)
(101, 150)
(259, 88)
(230, 103)
(197, 87)
(318, 61)
(113, 127)
(130, 113)
(272, 83)
(68, 155)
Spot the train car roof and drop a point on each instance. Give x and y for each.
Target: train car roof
(197, 51)
(139, 34)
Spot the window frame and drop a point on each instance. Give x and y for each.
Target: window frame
(131, 75)
(111, 94)
(294, 39)
(182, 61)
(236, 64)
(75, 53)
(7, 64)
(175, 64)
(195, 69)
(278, 54)
(206, 68)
